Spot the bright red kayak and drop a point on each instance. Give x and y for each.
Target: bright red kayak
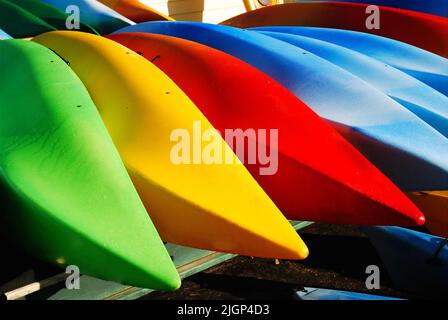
(419, 29)
(320, 176)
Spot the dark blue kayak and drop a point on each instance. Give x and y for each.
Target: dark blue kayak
(415, 261)
(309, 293)
(404, 147)
(95, 14)
(4, 35)
(426, 102)
(418, 63)
(436, 7)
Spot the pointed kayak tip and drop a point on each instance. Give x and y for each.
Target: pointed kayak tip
(294, 249)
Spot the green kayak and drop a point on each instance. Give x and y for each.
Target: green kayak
(19, 23)
(49, 14)
(65, 193)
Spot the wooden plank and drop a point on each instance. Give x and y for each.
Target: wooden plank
(187, 260)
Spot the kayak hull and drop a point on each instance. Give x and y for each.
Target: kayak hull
(415, 261)
(430, 32)
(68, 196)
(374, 123)
(191, 204)
(135, 10)
(434, 205)
(303, 186)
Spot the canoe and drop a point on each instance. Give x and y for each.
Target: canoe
(19, 23)
(406, 149)
(95, 14)
(429, 32)
(420, 64)
(49, 14)
(4, 35)
(65, 193)
(135, 10)
(310, 293)
(306, 184)
(434, 204)
(427, 103)
(435, 7)
(416, 262)
(204, 203)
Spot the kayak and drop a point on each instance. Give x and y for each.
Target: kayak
(203, 202)
(435, 7)
(310, 293)
(48, 13)
(415, 261)
(135, 10)
(429, 32)
(19, 23)
(434, 204)
(4, 35)
(319, 176)
(65, 193)
(401, 145)
(427, 103)
(425, 66)
(93, 13)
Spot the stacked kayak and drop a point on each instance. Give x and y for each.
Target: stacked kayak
(415, 261)
(435, 206)
(424, 101)
(19, 23)
(213, 136)
(93, 13)
(429, 32)
(65, 192)
(135, 10)
(142, 108)
(408, 150)
(308, 293)
(49, 14)
(425, 66)
(435, 7)
(305, 185)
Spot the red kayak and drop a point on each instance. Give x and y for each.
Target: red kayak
(426, 31)
(320, 176)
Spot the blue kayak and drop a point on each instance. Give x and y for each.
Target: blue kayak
(427, 103)
(100, 17)
(309, 293)
(418, 63)
(415, 261)
(404, 147)
(4, 35)
(435, 7)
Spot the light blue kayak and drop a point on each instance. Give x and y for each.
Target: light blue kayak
(418, 63)
(99, 16)
(404, 147)
(424, 101)
(415, 261)
(4, 35)
(309, 293)
(436, 7)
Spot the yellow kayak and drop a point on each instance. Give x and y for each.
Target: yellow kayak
(434, 205)
(209, 206)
